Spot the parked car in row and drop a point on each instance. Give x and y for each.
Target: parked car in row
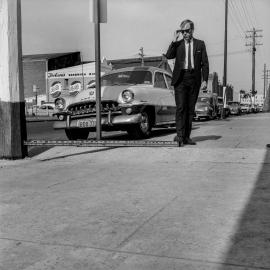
(234, 107)
(245, 108)
(46, 109)
(255, 108)
(206, 107)
(260, 107)
(133, 99)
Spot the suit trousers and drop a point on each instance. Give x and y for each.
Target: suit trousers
(186, 94)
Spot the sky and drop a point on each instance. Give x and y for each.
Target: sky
(53, 26)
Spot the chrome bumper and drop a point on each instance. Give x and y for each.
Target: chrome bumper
(118, 120)
(201, 114)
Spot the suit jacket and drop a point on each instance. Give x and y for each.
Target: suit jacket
(201, 66)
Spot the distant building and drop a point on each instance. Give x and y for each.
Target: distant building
(229, 93)
(73, 79)
(35, 100)
(266, 105)
(259, 99)
(212, 84)
(35, 66)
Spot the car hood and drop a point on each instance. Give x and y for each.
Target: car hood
(107, 92)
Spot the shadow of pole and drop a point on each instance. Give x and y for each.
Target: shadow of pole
(250, 245)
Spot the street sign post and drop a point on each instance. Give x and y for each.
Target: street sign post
(98, 14)
(102, 14)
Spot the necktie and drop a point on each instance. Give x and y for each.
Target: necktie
(189, 57)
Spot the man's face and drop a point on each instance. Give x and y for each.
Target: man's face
(187, 34)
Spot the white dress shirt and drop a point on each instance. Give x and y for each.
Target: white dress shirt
(192, 57)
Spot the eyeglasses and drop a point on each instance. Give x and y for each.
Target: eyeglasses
(185, 31)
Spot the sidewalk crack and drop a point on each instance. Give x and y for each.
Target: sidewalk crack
(145, 222)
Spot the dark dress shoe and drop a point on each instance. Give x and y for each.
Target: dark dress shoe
(179, 141)
(189, 141)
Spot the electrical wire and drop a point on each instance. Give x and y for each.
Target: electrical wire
(234, 17)
(238, 15)
(246, 14)
(229, 53)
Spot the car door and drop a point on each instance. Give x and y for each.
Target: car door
(172, 107)
(164, 101)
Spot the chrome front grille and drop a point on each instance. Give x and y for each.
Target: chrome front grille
(90, 108)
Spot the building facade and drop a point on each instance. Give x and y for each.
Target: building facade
(36, 66)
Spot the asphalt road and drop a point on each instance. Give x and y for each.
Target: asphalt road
(43, 130)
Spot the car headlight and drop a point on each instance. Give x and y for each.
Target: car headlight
(127, 96)
(56, 89)
(60, 104)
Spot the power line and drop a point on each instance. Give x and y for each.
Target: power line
(235, 18)
(252, 10)
(245, 10)
(229, 53)
(239, 15)
(235, 23)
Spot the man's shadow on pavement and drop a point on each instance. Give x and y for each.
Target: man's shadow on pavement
(206, 138)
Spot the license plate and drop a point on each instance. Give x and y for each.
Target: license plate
(86, 123)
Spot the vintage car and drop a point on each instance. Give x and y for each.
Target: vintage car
(133, 99)
(206, 107)
(234, 107)
(46, 109)
(245, 108)
(255, 108)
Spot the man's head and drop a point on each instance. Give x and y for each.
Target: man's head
(187, 29)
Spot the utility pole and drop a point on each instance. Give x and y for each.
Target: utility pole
(266, 76)
(12, 103)
(264, 80)
(141, 54)
(253, 35)
(225, 59)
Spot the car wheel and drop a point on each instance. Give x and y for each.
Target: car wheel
(141, 130)
(77, 134)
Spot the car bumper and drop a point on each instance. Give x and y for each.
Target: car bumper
(201, 115)
(106, 121)
(234, 112)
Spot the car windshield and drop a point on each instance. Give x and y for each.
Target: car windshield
(127, 77)
(203, 99)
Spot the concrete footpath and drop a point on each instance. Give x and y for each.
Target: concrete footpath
(196, 207)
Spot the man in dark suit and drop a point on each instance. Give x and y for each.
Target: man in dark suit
(191, 70)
